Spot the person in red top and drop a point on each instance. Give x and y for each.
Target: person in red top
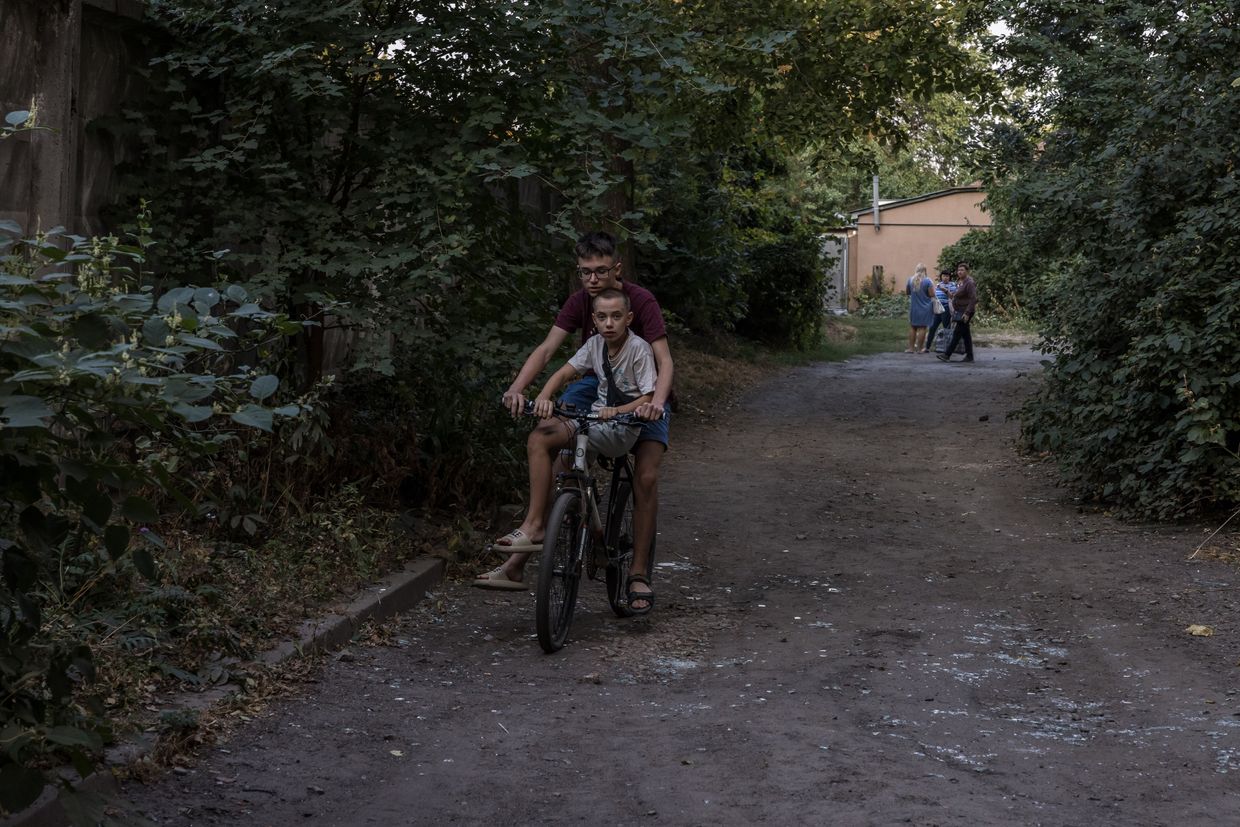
(599, 267)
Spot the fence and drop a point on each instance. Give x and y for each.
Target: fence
(71, 61)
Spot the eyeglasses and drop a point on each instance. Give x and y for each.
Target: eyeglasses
(587, 273)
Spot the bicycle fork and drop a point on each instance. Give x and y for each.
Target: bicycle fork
(589, 491)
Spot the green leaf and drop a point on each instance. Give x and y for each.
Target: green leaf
(85, 809)
(247, 310)
(139, 510)
(20, 572)
(69, 736)
(144, 563)
(264, 386)
(174, 297)
(193, 413)
(255, 416)
(96, 505)
(23, 411)
(19, 787)
(153, 539)
(116, 540)
(9, 226)
(92, 331)
(207, 296)
(237, 293)
(155, 330)
(17, 117)
(198, 341)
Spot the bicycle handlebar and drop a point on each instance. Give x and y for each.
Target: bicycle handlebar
(571, 412)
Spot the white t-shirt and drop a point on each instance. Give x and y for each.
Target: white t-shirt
(633, 367)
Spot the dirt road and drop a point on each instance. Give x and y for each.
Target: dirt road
(870, 611)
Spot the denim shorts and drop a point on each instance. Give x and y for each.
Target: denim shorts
(584, 391)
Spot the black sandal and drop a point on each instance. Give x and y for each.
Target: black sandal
(631, 595)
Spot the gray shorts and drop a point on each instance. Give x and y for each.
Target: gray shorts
(611, 439)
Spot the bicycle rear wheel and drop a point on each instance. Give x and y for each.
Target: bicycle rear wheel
(619, 540)
(560, 571)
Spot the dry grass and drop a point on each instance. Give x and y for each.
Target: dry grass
(709, 381)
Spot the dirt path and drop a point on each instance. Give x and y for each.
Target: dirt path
(871, 610)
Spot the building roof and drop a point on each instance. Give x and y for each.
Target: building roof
(896, 203)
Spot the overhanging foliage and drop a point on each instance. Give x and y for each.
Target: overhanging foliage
(1131, 192)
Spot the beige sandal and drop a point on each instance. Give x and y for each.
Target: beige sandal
(499, 581)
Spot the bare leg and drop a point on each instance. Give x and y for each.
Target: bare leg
(911, 333)
(649, 455)
(541, 449)
(921, 340)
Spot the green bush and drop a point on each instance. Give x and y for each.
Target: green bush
(1002, 263)
(784, 284)
(113, 399)
(1134, 200)
(882, 306)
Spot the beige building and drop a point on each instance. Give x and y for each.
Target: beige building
(882, 254)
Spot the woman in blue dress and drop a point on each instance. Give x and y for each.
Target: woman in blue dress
(920, 292)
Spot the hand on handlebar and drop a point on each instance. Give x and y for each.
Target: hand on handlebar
(543, 407)
(514, 402)
(648, 411)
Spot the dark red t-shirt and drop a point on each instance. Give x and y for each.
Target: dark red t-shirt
(576, 314)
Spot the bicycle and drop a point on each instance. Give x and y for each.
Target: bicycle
(581, 533)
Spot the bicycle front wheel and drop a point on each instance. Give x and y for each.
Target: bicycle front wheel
(560, 571)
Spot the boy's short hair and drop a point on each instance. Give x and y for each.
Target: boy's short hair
(947, 272)
(597, 244)
(612, 293)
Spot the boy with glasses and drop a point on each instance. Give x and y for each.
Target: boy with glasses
(598, 268)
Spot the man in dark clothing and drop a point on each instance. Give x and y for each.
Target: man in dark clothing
(963, 306)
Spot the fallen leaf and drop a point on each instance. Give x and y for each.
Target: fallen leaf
(396, 752)
(1200, 631)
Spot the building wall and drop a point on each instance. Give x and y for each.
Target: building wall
(909, 234)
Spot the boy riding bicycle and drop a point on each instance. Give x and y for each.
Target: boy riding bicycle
(625, 366)
(599, 267)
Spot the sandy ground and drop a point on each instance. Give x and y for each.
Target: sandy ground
(871, 610)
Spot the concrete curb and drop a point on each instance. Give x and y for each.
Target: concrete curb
(392, 595)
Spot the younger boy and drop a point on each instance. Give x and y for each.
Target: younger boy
(624, 363)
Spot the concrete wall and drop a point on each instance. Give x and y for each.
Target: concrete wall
(73, 61)
(908, 234)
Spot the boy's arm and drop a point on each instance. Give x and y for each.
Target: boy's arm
(514, 397)
(608, 413)
(653, 408)
(543, 403)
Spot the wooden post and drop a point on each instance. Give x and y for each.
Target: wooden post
(52, 196)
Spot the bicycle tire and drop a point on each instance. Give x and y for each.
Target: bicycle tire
(620, 537)
(559, 572)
